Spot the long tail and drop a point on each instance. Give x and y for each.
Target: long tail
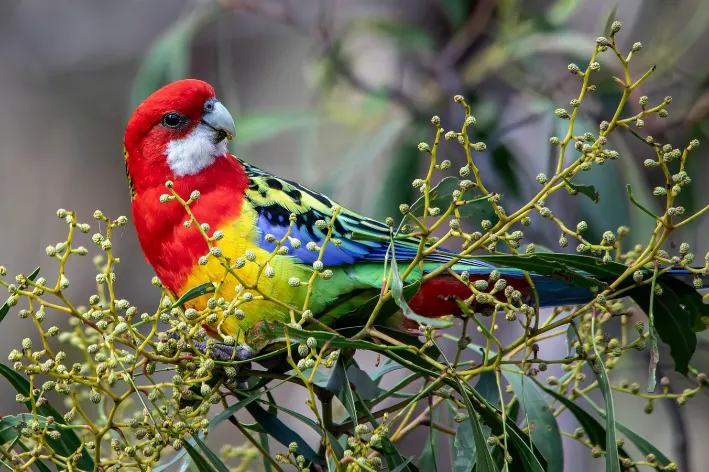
(437, 297)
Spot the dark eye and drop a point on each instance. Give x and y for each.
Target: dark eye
(172, 120)
(209, 106)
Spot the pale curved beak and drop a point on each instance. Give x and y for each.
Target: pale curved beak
(216, 116)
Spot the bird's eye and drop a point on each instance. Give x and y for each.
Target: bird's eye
(208, 107)
(172, 120)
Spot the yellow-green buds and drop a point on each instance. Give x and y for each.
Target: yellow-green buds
(615, 27)
(423, 147)
(561, 113)
(601, 41)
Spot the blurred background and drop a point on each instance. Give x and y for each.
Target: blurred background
(336, 94)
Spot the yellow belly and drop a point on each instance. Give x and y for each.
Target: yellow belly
(237, 239)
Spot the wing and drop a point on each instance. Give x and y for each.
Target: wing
(274, 199)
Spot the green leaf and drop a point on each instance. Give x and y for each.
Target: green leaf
(486, 386)
(69, 442)
(197, 458)
(543, 427)
(612, 464)
(365, 386)
(6, 308)
(588, 190)
(522, 450)
(397, 294)
(191, 294)
(643, 445)
(427, 460)
(464, 443)
(401, 467)
(339, 385)
(595, 432)
(213, 458)
(280, 432)
(484, 460)
(337, 448)
(441, 196)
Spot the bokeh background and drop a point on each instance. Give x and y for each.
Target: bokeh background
(336, 94)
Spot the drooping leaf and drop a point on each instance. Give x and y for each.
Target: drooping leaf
(69, 442)
(280, 432)
(464, 443)
(484, 460)
(191, 294)
(5, 308)
(211, 456)
(640, 442)
(486, 386)
(337, 448)
(397, 294)
(427, 460)
(543, 427)
(587, 190)
(612, 464)
(199, 461)
(595, 432)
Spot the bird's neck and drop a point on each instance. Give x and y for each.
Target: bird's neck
(169, 247)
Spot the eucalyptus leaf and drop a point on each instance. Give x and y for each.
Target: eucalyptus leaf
(543, 428)
(69, 442)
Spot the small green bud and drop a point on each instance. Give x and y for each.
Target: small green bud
(561, 113)
(615, 27)
(601, 41)
(637, 47)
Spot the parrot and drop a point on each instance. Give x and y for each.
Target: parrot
(180, 134)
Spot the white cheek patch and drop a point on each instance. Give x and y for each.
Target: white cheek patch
(190, 155)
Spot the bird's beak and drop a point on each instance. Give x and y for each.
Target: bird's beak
(218, 117)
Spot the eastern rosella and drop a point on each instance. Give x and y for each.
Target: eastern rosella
(179, 134)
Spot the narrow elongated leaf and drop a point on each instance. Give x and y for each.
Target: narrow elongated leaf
(520, 448)
(69, 442)
(464, 443)
(403, 465)
(612, 459)
(484, 460)
(280, 432)
(5, 308)
(191, 294)
(337, 448)
(199, 461)
(213, 458)
(643, 445)
(594, 430)
(427, 460)
(543, 427)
